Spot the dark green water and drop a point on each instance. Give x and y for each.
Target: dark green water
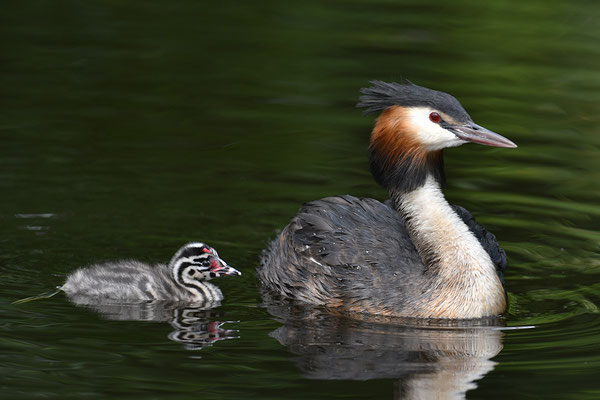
(128, 129)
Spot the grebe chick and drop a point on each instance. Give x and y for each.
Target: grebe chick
(413, 256)
(184, 279)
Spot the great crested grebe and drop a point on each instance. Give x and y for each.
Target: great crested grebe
(184, 279)
(413, 256)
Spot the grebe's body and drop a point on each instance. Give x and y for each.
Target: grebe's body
(184, 279)
(413, 256)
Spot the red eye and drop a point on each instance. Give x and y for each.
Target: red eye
(435, 117)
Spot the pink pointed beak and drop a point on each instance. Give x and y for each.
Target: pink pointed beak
(471, 132)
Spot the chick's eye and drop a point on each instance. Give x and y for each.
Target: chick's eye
(435, 117)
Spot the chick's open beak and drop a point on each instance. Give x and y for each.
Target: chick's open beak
(221, 268)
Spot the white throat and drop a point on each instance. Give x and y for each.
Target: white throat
(464, 283)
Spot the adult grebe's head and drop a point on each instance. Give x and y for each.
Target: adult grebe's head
(415, 124)
(198, 262)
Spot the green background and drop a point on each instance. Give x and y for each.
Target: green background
(129, 128)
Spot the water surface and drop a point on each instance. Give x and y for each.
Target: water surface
(129, 129)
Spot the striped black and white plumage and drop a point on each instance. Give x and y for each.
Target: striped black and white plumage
(184, 279)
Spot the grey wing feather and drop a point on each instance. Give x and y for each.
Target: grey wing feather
(342, 248)
(345, 230)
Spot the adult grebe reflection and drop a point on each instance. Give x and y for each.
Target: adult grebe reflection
(196, 325)
(429, 361)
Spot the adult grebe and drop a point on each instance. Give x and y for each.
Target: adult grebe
(184, 279)
(413, 256)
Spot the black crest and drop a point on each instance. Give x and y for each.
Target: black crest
(386, 94)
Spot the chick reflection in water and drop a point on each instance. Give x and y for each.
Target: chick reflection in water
(194, 327)
(429, 361)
